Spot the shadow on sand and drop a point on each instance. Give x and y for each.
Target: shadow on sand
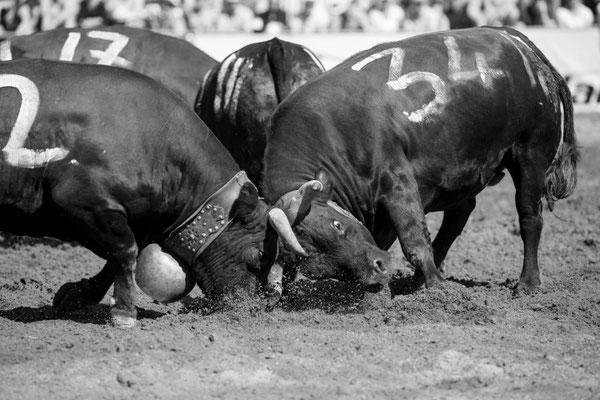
(98, 314)
(405, 285)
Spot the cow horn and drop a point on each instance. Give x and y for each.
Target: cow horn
(296, 204)
(275, 280)
(280, 223)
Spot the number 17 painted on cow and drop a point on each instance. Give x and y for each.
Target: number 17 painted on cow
(109, 56)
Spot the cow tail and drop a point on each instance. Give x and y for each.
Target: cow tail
(276, 58)
(561, 176)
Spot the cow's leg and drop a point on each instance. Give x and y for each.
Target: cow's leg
(109, 235)
(123, 312)
(452, 226)
(102, 225)
(112, 237)
(528, 173)
(75, 295)
(403, 204)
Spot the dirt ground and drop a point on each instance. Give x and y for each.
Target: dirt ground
(470, 339)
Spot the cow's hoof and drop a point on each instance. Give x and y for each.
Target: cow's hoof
(434, 281)
(525, 290)
(440, 267)
(272, 298)
(122, 319)
(73, 296)
(421, 283)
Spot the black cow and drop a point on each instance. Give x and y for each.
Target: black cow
(421, 125)
(177, 64)
(236, 101)
(239, 95)
(110, 158)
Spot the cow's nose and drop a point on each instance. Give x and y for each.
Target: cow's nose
(379, 266)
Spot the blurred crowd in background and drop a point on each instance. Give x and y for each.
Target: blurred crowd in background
(185, 17)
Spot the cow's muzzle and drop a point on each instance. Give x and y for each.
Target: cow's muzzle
(377, 272)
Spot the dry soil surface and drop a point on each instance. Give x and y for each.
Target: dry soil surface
(469, 339)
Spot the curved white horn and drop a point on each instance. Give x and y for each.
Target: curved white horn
(297, 203)
(314, 185)
(280, 223)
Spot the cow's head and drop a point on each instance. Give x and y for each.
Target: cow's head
(242, 255)
(239, 95)
(230, 242)
(338, 245)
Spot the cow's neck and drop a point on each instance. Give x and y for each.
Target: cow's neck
(352, 195)
(189, 238)
(349, 189)
(199, 167)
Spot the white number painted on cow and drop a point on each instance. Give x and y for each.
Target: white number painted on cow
(397, 56)
(483, 72)
(5, 52)
(68, 50)
(439, 90)
(396, 81)
(14, 153)
(110, 56)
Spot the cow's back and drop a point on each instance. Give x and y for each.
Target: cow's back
(176, 63)
(240, 94)
(64, 120)
(423, 125)
(453, 102)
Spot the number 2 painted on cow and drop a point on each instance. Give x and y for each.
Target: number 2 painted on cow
(14, 153)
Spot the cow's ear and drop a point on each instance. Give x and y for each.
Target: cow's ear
(323, 177)
(244, 206)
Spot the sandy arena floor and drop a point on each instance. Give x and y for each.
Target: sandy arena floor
(469, 339)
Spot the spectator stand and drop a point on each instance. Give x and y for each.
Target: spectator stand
(183, 17)
(335, 29)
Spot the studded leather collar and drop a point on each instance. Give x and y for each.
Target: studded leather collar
(196, 233)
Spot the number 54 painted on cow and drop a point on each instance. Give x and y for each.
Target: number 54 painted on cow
(397, 81)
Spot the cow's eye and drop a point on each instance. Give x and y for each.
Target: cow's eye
(338, 226)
